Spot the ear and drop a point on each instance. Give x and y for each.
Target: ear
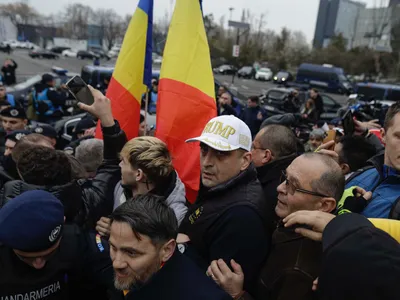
(345, 168)
(140, 176)
(327, 205)
(267, 156)
(383, 135)
(167, 250)
(246, 161)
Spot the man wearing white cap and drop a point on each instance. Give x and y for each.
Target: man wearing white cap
(227, 220)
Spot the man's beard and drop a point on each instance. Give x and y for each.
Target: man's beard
(136, 281)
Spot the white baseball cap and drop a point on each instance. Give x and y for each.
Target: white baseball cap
(225, 133)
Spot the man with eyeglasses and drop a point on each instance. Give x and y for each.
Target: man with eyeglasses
(227, 220)
(41, 257)
(312, 182)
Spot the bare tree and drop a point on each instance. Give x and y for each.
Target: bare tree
(112, 25)
(19, 13)
(77, 17)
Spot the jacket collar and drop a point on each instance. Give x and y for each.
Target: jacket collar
(269, 171)
(378, 161)
(242, 178)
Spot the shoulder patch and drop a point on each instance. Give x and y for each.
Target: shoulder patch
(99, 243)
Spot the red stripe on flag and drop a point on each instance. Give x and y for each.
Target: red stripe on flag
(125, 109)
(182, 113)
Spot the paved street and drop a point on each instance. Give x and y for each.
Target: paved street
(28, 67)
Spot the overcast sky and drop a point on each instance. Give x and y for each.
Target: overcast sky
(294, 14)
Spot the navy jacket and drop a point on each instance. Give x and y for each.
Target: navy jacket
(249, 116)
(179, 279)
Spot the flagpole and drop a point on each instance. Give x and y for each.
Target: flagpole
(146, 107)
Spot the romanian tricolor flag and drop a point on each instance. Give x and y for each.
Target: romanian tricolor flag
(132, 71)
(186, 91)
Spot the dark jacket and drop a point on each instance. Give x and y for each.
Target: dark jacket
(249, 116)
(179, 279)
(269, 176)
(81, 268)
(319, 106)
(56, 97)
(70, 195)
(228, 110)
(292, 266)
(96, 195)
(9, 73)
(227, 221)
(359, 261)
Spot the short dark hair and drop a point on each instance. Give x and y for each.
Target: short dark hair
(279, 139)
(332, 182)
(148, 215)
(254, 99)
(27, 142)
(392, 112)
(355, 152)
(315, 90)
(44, 166)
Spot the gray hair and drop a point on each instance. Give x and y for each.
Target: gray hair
(90, 154)
(318, 134)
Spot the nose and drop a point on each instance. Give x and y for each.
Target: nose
(39, 263)
(118, 262)
(208, 159)
(7, 152)
(281, 188)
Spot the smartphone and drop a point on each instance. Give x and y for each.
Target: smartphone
(348, 123)
(331, 136)
(80, 90)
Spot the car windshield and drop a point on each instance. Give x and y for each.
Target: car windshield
(343, 78)
(265, 70)
(31, 81)
(224, 67)
(246, 69)
(282, 74)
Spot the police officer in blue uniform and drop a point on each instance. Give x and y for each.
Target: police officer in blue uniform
(48, 102)
(41, 257)
(6, 99)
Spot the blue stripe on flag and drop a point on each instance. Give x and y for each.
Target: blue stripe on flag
(147, 7)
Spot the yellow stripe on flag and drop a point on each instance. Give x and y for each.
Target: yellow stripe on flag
(187, 49)
(130, 64)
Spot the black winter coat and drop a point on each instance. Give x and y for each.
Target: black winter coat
(94, 197)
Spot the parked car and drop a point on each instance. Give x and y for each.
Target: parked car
(41, 53)
(87, 54)
(69, 53)
(264, 74)
(59, 49)
(99, 52)
(114, 52)
(226, 70)
(283, 77)
(246, 72)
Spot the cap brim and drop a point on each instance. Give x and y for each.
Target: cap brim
(213, 143)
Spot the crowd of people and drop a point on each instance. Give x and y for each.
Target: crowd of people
(273, 218)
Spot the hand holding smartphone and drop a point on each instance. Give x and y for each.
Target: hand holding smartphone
(348, 123)
(79, 89)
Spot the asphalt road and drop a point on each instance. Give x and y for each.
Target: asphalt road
(28, 67)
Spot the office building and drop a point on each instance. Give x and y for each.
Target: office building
(337, 17)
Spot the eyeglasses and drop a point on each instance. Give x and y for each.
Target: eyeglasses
(253, 147)
(292, 189)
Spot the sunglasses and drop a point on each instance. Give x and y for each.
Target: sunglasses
(290, 187)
